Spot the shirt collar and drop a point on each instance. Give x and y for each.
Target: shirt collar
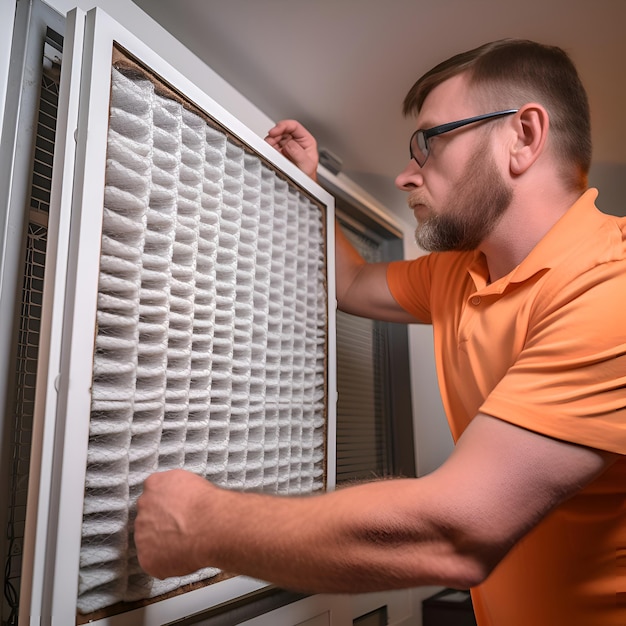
(581, 217)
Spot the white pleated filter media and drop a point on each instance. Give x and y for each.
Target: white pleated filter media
(210, 347)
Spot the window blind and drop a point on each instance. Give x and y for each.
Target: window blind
(362, 430)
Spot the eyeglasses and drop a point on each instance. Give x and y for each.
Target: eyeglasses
(419, 146)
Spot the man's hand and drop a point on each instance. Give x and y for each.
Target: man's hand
(296, 143)
(167, 525)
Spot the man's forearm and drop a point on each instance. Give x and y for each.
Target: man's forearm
(358, 539)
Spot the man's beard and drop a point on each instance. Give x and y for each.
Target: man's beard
(476, 205)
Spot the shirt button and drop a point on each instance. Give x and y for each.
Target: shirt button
(475, 300)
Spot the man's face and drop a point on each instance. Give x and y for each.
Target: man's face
(474, 204)
(459, 194)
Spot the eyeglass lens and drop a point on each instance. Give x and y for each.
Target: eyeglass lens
(418, 147)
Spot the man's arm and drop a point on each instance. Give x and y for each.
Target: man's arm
(449, 528)
(361, 287)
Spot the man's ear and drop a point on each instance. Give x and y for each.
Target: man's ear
(531, 124)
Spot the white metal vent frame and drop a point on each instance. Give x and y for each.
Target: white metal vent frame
(61, 429)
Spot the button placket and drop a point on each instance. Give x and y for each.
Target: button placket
(468, 318)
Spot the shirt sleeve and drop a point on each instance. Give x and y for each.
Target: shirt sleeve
(409, 283)
(569, 381)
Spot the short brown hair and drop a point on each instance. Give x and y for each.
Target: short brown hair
(512, 72)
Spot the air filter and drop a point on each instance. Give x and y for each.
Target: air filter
(211, 337)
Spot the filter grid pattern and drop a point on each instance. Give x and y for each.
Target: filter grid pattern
(210, 347)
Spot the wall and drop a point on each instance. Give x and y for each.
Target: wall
(610, 179)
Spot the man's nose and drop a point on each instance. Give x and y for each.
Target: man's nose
(410, 177)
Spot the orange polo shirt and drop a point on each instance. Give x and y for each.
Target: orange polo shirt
(543, 348)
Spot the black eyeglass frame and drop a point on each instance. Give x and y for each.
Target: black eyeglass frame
(426, 134)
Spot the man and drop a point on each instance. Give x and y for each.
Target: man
(526, 290)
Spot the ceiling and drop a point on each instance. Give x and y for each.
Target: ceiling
(342, 67)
